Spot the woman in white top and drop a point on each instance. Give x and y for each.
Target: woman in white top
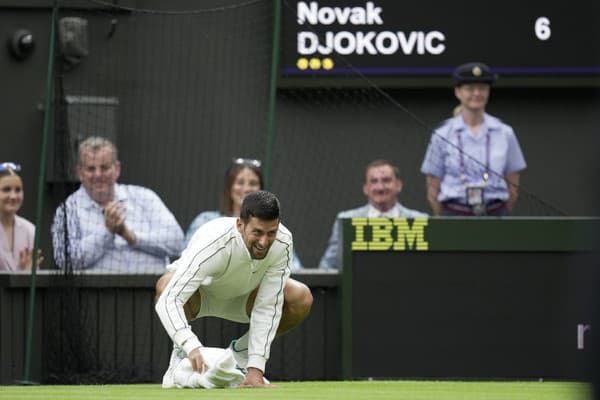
(16, 233)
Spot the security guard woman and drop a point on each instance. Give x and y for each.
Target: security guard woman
(473, 160)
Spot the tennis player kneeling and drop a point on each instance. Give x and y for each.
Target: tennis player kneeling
(238, 270)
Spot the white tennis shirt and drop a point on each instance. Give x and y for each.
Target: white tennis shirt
(218, 263)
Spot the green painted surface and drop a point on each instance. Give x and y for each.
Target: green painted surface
(371, 390)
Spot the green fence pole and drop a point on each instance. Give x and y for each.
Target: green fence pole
(40, 196)
(272, 94)
(345, 306)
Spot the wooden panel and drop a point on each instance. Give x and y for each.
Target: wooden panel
(160, 348)
(274, 368)
(38, 333)
(213, 335)
(90, 300)
(124, 326)
(107, 339)
(89, 332)
(293, 356)
(142, 337)
(52, 341)
(331, 334)
(5, 356)
(18, 322)
(231, 331)
(314, 339)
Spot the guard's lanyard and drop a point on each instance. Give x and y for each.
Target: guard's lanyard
(463, 176)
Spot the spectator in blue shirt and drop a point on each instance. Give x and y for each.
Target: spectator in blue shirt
(112, 227)
(474, 160)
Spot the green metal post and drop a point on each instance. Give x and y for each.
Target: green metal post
(345, 279)
(40, 196)
(272, 93)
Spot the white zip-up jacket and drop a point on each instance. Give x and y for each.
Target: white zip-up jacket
(218, 263)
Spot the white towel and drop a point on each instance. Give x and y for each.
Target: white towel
(222, 371)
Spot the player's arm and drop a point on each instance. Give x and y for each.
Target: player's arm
(266, 315)
(170, 305)
(194, 269)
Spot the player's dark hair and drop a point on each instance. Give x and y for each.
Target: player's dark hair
(262, 205)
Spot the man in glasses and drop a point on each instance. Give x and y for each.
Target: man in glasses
(236, 269)
(382, 187)
(112, 227)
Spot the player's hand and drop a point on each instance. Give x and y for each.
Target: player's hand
(197, 360)
(254, 379)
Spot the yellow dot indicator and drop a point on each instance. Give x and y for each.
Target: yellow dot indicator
(314, 63)
(302, 63)
(328, 63)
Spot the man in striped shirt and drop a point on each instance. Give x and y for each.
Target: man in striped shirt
(237, 269)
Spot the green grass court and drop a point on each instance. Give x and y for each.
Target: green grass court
(409, 390)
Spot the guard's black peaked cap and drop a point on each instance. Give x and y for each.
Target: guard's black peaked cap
(473, 72)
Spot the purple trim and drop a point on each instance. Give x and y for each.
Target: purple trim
(547, 70)
(370, 70)
(440, 70)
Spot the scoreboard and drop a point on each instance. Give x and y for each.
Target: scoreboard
(399, 40)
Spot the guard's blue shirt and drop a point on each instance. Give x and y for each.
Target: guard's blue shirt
(495, 145)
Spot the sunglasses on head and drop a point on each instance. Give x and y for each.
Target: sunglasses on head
(6, 166)
(247, 161)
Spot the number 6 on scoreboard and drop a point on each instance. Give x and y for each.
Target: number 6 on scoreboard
(542, 28)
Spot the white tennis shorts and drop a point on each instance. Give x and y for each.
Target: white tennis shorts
(233, 309)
